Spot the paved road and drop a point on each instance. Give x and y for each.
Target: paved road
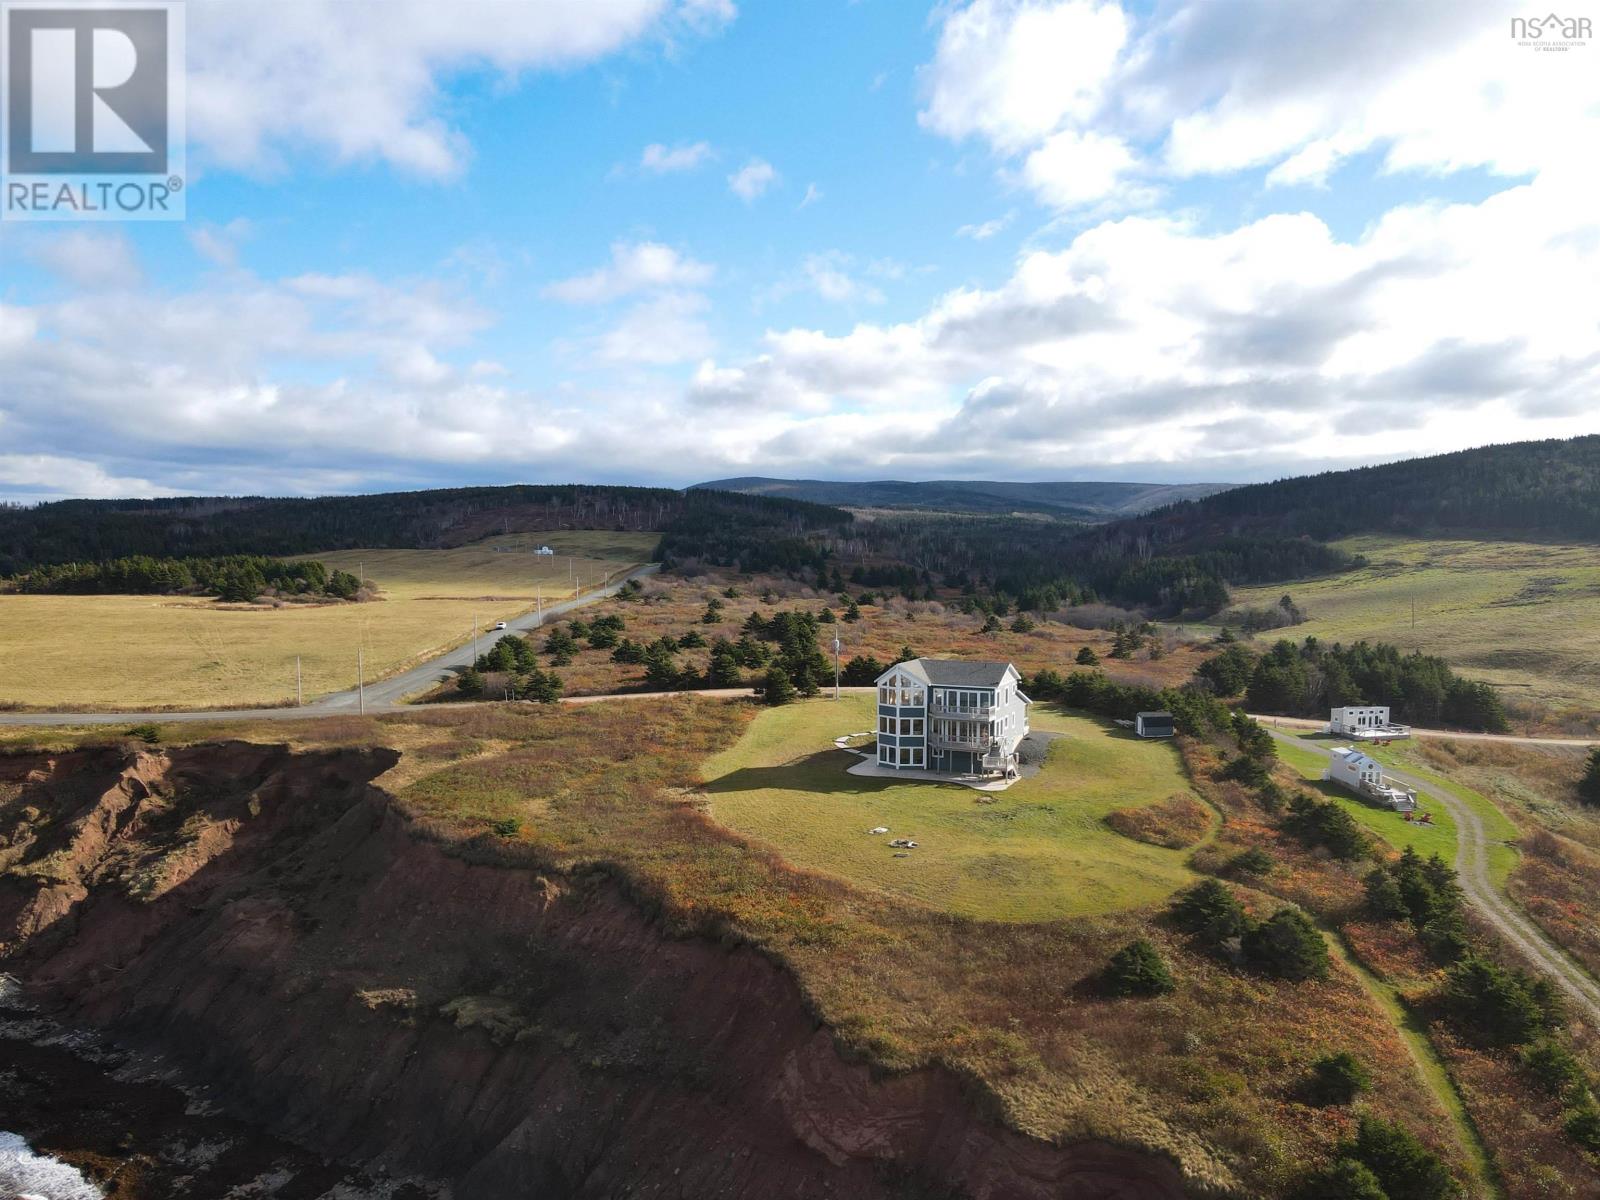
(1472, 869)
(382, 696)
(1512, 738)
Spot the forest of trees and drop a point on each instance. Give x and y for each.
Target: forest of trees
(718, 526)
(1309, 679)
(238, 577)
(1525, 489)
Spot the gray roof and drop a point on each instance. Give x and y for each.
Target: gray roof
(957, 672)
(1164, 716)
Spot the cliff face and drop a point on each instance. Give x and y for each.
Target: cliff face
(269, 921)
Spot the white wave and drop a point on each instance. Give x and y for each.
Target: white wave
(38, 1176)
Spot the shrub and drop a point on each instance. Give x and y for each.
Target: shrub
(1589, 785)
(1254, 861)
(1555, 1070)
(1087, 657)
(470, 683)
(146, 733)
(1583, 1127)
(693, 640)
(506, 827)
(1323, 823)
(1502, 1005)
(1404, 1167)
(1210, 912)
(1138, 970)
(1346, 1179)
(1288, 946)
(1337, 1079)
(1023, 624)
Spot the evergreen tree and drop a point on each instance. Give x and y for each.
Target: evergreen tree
(1138, 970)
(1404, 1167)
(1288, 946)
(1338, 1079)
(1589, 785)
(1345, 1179)
(1087, 657)
(776, 686)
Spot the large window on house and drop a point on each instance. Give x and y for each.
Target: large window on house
(904, 691)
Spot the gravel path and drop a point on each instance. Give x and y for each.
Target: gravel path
(1472, 869)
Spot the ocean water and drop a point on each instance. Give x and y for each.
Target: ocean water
(38, 1176)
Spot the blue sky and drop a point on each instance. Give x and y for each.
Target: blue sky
(668, 240)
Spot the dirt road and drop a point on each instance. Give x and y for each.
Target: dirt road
(1472, 869)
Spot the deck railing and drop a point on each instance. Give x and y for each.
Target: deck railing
(942, 708)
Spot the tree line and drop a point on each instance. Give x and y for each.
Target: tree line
(719, 526)
(1310, 679)
(237, 577)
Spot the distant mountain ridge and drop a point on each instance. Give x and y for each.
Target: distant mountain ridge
(1091, 501)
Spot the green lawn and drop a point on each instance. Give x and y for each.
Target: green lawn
(1038, 851)
(1497, 827)
(1391, 827)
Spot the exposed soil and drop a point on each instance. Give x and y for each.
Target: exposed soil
(273, 927)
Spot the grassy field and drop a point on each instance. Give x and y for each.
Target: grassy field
(1039, 850)
(129, 652)
(1523, 616)
(1392, 828)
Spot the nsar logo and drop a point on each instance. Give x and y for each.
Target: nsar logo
(1551, 32)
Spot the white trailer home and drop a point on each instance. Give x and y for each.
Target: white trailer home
(1364, 776)
(1365, 723)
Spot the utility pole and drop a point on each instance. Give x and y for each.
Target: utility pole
(474, 639)
(538, 606)
(299, 695)
(361, 679)
(836, 666)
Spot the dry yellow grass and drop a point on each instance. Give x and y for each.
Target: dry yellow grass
(133, 652)
(1524, 616)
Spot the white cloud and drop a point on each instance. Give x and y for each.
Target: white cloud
(984, 230)
(813, 194)
(87, 258)
(1148, 341)
(662, 330)
(1013, 71)
(49, 476)
(1073, 169)
(1098, 105)
(360, 83)
(752, 180)
(659, 159)
(634, 267)
(220, 244)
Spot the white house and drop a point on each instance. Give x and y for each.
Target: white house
(951, 716)
(1364, 776)
(1365, 723)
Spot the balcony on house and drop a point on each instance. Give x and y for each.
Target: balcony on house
(946, 708)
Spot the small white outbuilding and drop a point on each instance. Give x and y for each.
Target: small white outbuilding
(1365, 723)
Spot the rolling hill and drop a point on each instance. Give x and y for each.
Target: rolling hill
(1076, 501)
